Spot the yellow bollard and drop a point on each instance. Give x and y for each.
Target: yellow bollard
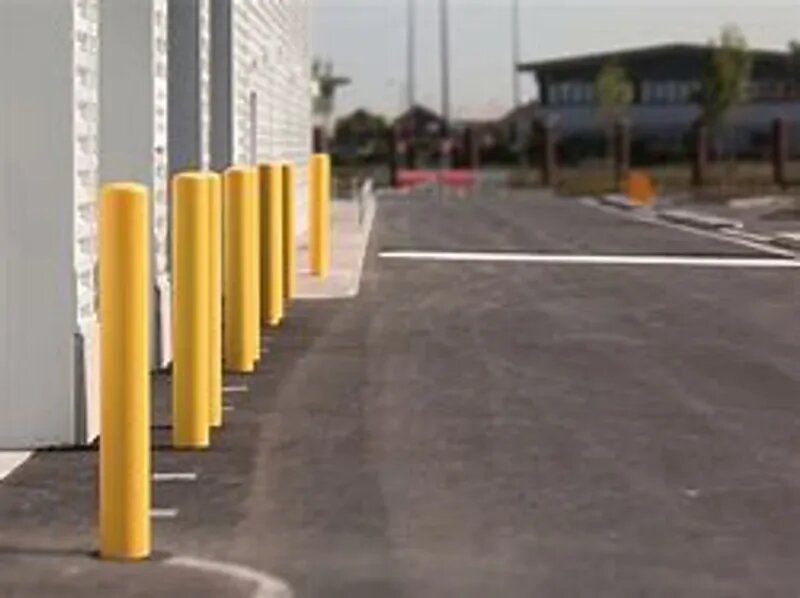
(125, 379)
(270, 178)
(240, 314)
(319, 210)
(289, 246)
(255, 221)
(191, 311)
(215, 293)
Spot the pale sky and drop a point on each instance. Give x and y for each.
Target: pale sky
(366, 40)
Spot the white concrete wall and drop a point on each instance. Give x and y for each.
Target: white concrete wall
(133, 125)
(271, 60)
(49, 389)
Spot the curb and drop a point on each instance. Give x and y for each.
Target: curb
(699, 220)
(617, 201)
(789, 240)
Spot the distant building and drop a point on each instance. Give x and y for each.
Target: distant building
(666, 81)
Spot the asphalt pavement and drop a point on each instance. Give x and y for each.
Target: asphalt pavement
(478, 429)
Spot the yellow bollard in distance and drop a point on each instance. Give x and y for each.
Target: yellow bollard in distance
(125, 531)
(319, 211)
(271, 203)
(255, 222)
(191, 311)
(289, 246)
(240, 314)
(215, 294)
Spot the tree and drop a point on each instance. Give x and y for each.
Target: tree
(361, 133)
(727, 73)
(614, 91)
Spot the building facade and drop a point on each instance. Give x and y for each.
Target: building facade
(101, 90)
(666, 82)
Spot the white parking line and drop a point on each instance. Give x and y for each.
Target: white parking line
(231, 390)
(737, 237)
(157, 513)
(10, 460)
(175, 477)
(266, 586)
(597, 260)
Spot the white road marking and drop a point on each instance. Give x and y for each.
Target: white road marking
(598, 260)
(242, 388)
(10, 460)
(266, 585)
(157, 513)
(649, 217)
(175, 477)
(227, 408)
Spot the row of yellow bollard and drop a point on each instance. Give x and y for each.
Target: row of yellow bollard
(233, 237)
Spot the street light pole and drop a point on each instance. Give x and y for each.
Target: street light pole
(515, 52)
(411, 57)
(411, 128)
(445, 74)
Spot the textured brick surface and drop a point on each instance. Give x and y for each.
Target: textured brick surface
(271, 74)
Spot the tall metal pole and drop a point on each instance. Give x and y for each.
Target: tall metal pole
(515, 52)
(445, 56)
(411, 58)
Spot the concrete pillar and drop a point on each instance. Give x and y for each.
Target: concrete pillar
(320, 140)
(622, 150)
(221, 85)
(392, 142)
(700, 153)
(189, 88)
(411, 151)
(780, 151)
(548, 160)
(133, 139)
(49, 326)
(471, 149)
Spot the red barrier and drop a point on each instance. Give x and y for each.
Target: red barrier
(452, 178)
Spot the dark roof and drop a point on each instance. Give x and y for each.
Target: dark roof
(599, 58)
(526, 108)
(420, 112)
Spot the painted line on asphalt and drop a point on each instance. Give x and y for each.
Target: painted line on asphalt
(266, 586)
(227, 408)
(596, 260)
(175, 477)
(238, 389)
(167, 513)
(735, 238)
(10, 460)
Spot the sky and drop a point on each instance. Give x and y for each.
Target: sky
(366, 41)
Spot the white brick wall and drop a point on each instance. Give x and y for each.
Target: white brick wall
(160, 139)
(272, 67)
(205, 84)
(85, 163)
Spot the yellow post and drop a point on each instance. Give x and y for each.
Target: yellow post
(271, 199)
(289, 246)
(240, 314)
(319, 210)
(125, 379)
(255, 223)
(191, 314)
(215, 293)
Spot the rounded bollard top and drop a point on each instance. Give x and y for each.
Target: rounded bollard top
(240, 169)
(192, 175)
(124, 189)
